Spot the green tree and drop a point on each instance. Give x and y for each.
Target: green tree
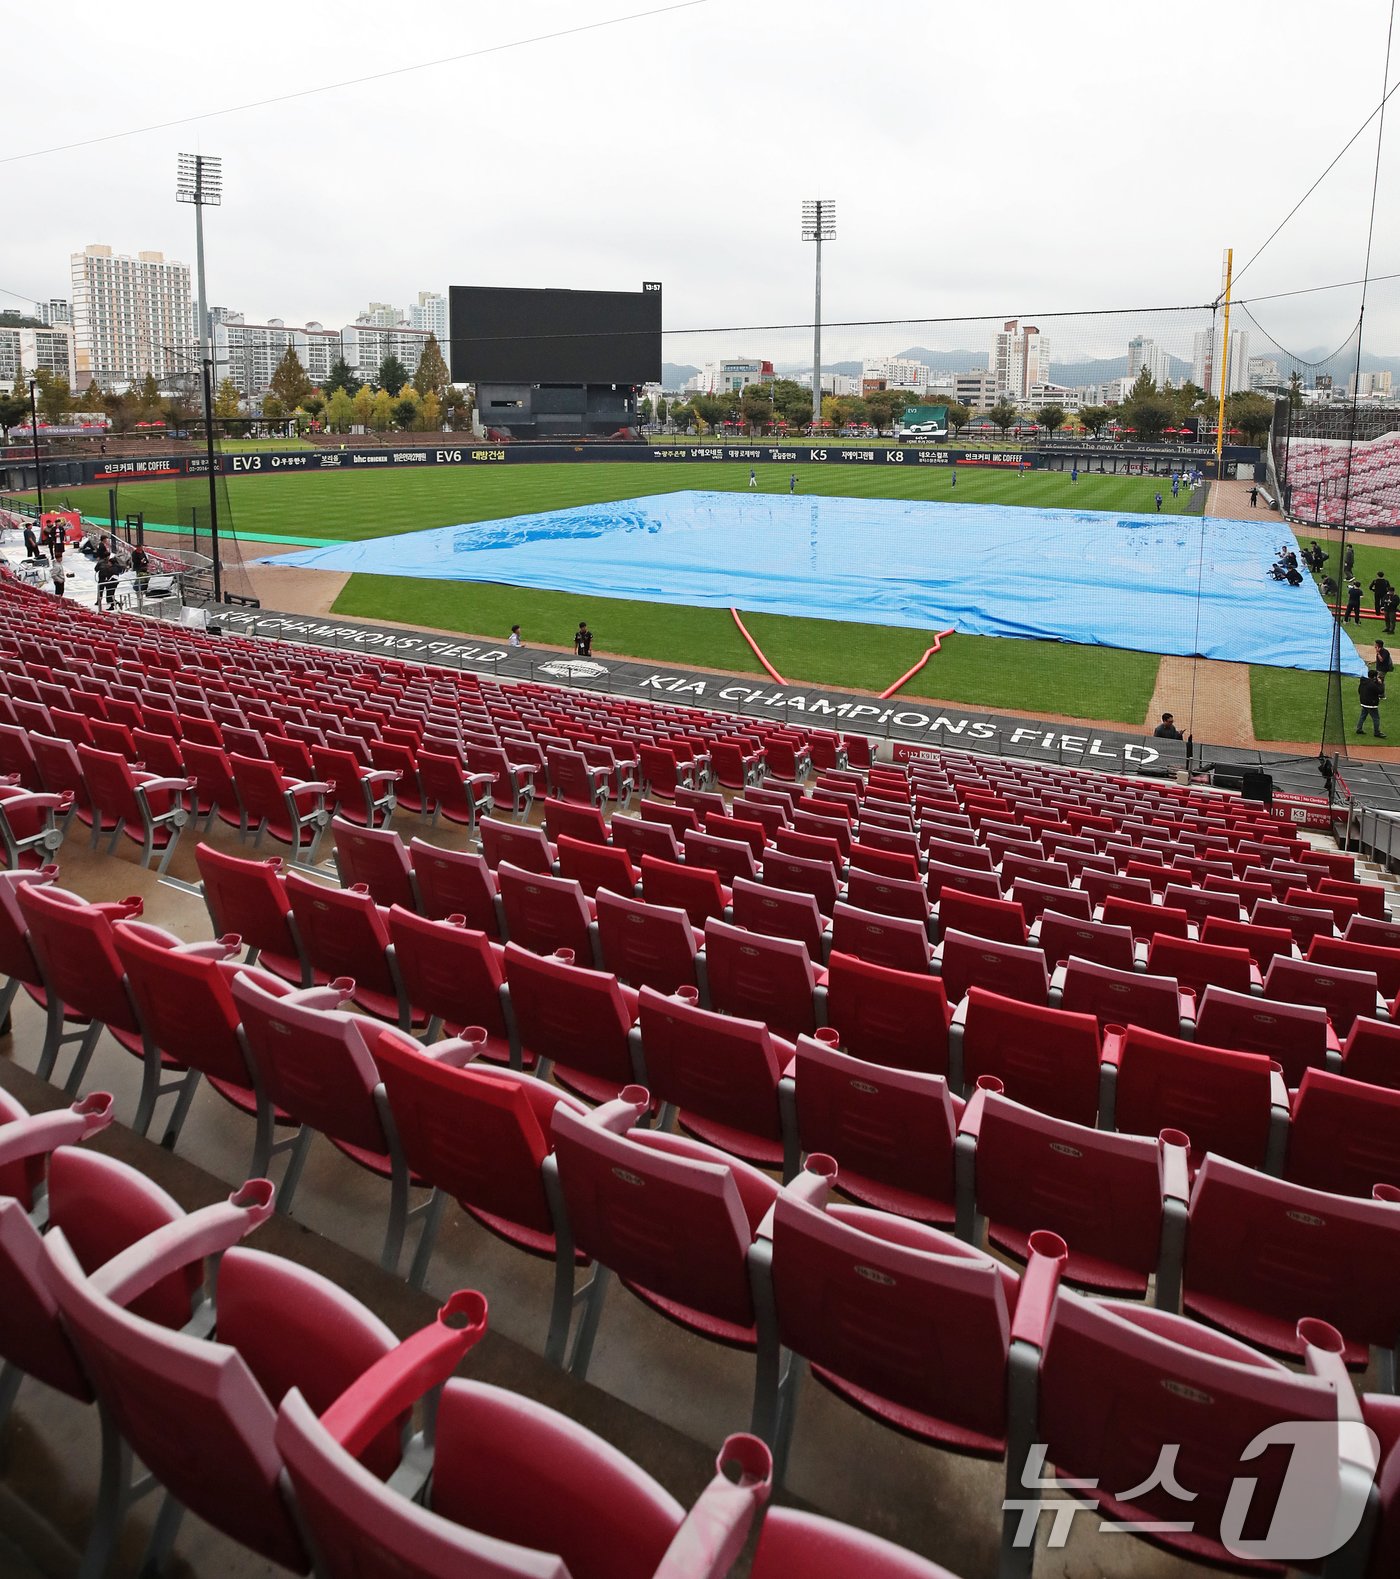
(1095, 418)
(148, 396)
(91, 398)
(290, 382)
(457, 404)
(755, 407)
(14, 409)
(644, 409)
(1295, 390)
(1004, 415)
(55, 400)
(432, 376)
(708, 409)
(228, 400)
(406, 414)
(1251, 414)
(880, 407)
(1051, 417)
(959, 416)
(340, 411)
(381, 416)
(392, 374)
(661, 408)
(273, 410)
(342, 376)
(682, 417)
(1149, 416)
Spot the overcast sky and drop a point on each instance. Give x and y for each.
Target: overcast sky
(1012, 158)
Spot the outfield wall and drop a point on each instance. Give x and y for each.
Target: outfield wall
(18, 477)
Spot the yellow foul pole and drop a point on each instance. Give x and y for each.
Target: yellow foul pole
(1224, 360)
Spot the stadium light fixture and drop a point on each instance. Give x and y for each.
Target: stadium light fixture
(819, 225)
(200, 181)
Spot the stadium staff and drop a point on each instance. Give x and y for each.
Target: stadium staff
(1353, 610)
(1369, 691)
(583, 641)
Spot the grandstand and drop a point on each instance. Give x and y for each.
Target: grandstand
(1076, 1096)
(1336, 483)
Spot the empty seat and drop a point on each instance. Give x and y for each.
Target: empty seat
(1197, 966)
(454, 883)
(1345, 1135)
(573, 777)
(892, 941)
(512, 783)
(888, 896)
(646, 945)
(595, 867)
(1047, 1059)
(545, 913)
(452, 976)
(1262, 1254)
(894, 1017)
(640, 837)
(363, 795)
(729, 858)
(1304, 922)
(1122, 997)
(1118, 1201)
(1146, 920)
(1346, 994)
(292, 811)
(525, 847)
(578, 821)
(1295, 1036)
(1228, 1102)
(981, 917)
(345, 934)
(1371, 1053)
(890, 1130)
(778, 913)
(576, 1019)
(454, 790)
(377, 859)
(760, 978)
(695, 889)
(1036, 898)
(1354, 954)
(1062, 937)
(801, 874)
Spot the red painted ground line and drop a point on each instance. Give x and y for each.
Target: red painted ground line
(905, 678)
(757, 650)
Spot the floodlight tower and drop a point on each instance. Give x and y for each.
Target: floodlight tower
(201, 182)
(819, 225)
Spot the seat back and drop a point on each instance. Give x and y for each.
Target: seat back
(1122, 997)
(454, 883)
(595, 866)
(695, 889)
(1345, 1136)
(801, 874)
(1294, 1035)
(941, 1309)
(887, 896)
(448, 972)
(640, 837)
(1221, 1099)
(778, 913)
(375, 857)
(728, 858)
(760, 978)
(1145, 919)
(575, 1017)
(1356, 954)
(1200, 965)
(1303, 922)
(585, 823)
(892, 1017)
(72, 940)
(891, 941)
(1047, 1059)
(1018, 971)
(662, 1212)
(1001, 919)
(892, 1127)
(262, 789)
(343, 932)
(544, 913)
(1346, 994)
(1064, 937)
(646, 945)
(1036, 898)
(249, 897)
(313, 1063)
(507, 1115)
(1372, 1053)
(524, 847)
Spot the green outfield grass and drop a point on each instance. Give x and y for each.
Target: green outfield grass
(374, 502)
(979, 671)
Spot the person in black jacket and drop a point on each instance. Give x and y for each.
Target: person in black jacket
(1369, 691)
(1380, 585)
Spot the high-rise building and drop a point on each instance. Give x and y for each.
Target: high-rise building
(380, 315)
(248, 353)
(976, 389)
(1144, 352)
(1205, 361)
(893, 372)
(131, 318)
(54, 312)
(1263, 372)
(366, 345)
(430, 312)
(49, 349)
(1020, 358)
(1370, 386)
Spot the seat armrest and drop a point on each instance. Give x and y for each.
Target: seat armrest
(297, 787)
(1039, 1282)
(192, 1238)
(380, 776)
(145, 786)
(715, 1531)
(227, 947)
(1176, 1170)
(970, 1123)
(393, 1384)
(40, 1133)
(1057, 980)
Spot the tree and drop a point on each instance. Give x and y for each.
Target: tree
(363, 406)
(708, 409)
(228, 400)
(432, 413)
(91, 398)
(148, 396)
(1251, 414)
(1051, 417)
(342, 376)
(314, 404)
(1004, 415)
(959, 416)
(755, 407)
(55, 400)
(644, 410)
(457, 403)
(381, 416)
(340, 411)
(290, 381)
(273, 409)
(880, 406)
(1095, 418)
(1149, 415)
(406, 414)
(682, 417)
(14, 409)
(661, 408)
(392, 374)
(1295, 390)
(432, 376)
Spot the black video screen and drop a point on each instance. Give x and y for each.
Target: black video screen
(504, 335)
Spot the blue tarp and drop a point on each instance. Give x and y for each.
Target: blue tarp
(1178, 584)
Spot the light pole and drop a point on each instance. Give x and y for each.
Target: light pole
(819, 225)
(34, 435)
(201, 182)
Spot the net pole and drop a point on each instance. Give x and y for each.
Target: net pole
(1224, 363)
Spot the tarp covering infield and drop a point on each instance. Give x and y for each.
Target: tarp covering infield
(1179, 584)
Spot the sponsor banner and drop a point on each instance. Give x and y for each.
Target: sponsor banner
(1305, 811)
(262, 463)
